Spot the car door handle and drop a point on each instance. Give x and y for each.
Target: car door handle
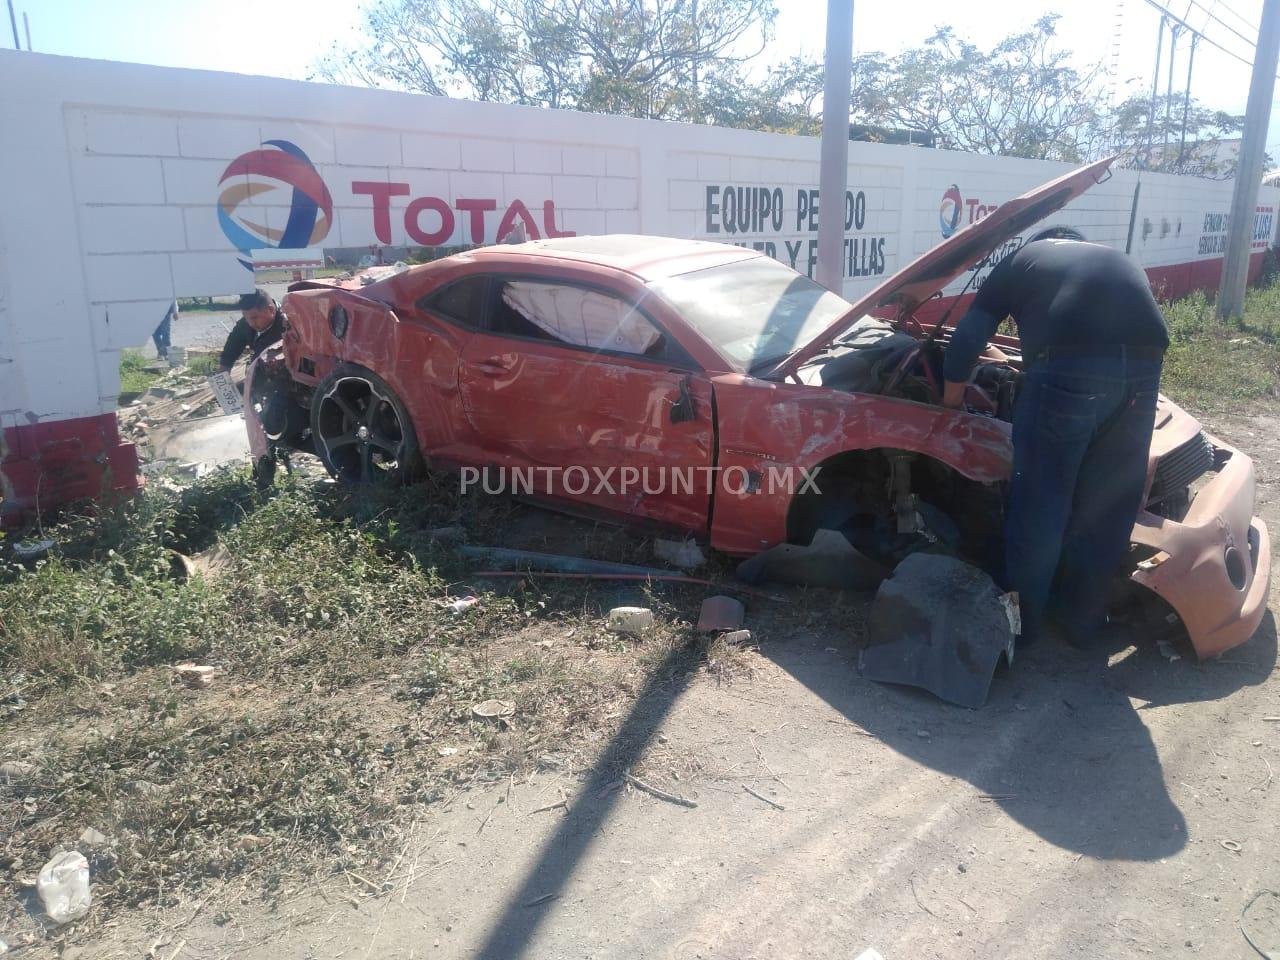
(493, 366)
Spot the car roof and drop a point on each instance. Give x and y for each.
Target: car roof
(649, 258)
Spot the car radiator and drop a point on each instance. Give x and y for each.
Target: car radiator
(1180, 468)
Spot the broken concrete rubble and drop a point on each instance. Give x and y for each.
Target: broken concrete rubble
(629, 619)
(941, 624)
(192, 675)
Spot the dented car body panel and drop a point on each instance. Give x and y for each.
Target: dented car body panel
(765, 425)
(492, 355)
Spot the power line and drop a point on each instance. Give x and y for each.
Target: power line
(1182, 23)
(1223, 23)
(1248, 23)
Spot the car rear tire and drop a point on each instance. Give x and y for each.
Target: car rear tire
(362, 431)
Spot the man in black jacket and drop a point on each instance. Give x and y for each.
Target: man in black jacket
(1093, 342)
(260, 325)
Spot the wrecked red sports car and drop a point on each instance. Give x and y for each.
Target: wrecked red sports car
(710, 390)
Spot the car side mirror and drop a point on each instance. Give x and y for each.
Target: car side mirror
(683, 410)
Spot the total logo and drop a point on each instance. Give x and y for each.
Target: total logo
(277, 168)
(261, 179)
(956, 208)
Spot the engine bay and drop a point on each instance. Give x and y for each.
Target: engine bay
(879, 357)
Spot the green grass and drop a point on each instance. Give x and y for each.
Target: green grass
(340, 674)
(202, 364)
(134, 378)
(1218, 366)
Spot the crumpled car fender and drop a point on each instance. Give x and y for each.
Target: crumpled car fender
(768, 429)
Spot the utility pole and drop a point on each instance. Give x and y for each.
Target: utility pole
(1244, 196)
(833, 175)
(697, 47)
(1174, 30)
(13, 22)
(1155, 87)
(1186, 101)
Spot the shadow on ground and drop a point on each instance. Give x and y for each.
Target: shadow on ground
(1060, 746)
(529, 906)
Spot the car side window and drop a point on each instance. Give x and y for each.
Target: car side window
(576, 316)
(462, 301)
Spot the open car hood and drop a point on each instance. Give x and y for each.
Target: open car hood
(929, 273)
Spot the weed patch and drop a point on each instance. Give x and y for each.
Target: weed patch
(343, 692)
(134, 377)
(1215, 365)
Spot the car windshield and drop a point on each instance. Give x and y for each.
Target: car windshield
(756, 311)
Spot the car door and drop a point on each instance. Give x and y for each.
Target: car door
(572, 386)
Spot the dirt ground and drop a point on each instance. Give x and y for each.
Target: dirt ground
(1088, 810)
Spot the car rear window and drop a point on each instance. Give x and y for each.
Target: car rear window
(462, 300)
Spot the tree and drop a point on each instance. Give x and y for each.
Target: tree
(1163, 146)
(1020, 98)
(639, 58)
(689, 60)
(785, 101)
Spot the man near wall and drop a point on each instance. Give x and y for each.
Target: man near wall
(162, 336)
(1093, 343)
(260, 325)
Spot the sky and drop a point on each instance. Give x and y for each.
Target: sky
(284, 38)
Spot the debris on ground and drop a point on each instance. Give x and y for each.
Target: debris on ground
(193, 675)
(63, 887)
(32, 549)
(1260, 923)
(503, 558)
(737, 638)
(660, 794)
(629, 620)
(720, 613)
(938, 623)
(16, 771)
(829, 560)
(94, 838)
(685, 554)
(493, 709)
(181, 567)
(462, 604)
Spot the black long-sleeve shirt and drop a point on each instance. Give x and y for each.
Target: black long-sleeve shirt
(1059, 293)
(243, 336)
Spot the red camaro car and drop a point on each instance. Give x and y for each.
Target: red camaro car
(709, 390)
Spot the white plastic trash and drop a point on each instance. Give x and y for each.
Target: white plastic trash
(462, 604)
(684, 554)
(63, 887)
(630, 619)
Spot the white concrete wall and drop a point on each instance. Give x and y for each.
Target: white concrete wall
(110, 179)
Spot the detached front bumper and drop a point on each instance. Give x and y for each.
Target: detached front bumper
(1214, 567)
(258, 446)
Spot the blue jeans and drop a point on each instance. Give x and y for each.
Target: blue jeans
(161, 336)
(1081, 435)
